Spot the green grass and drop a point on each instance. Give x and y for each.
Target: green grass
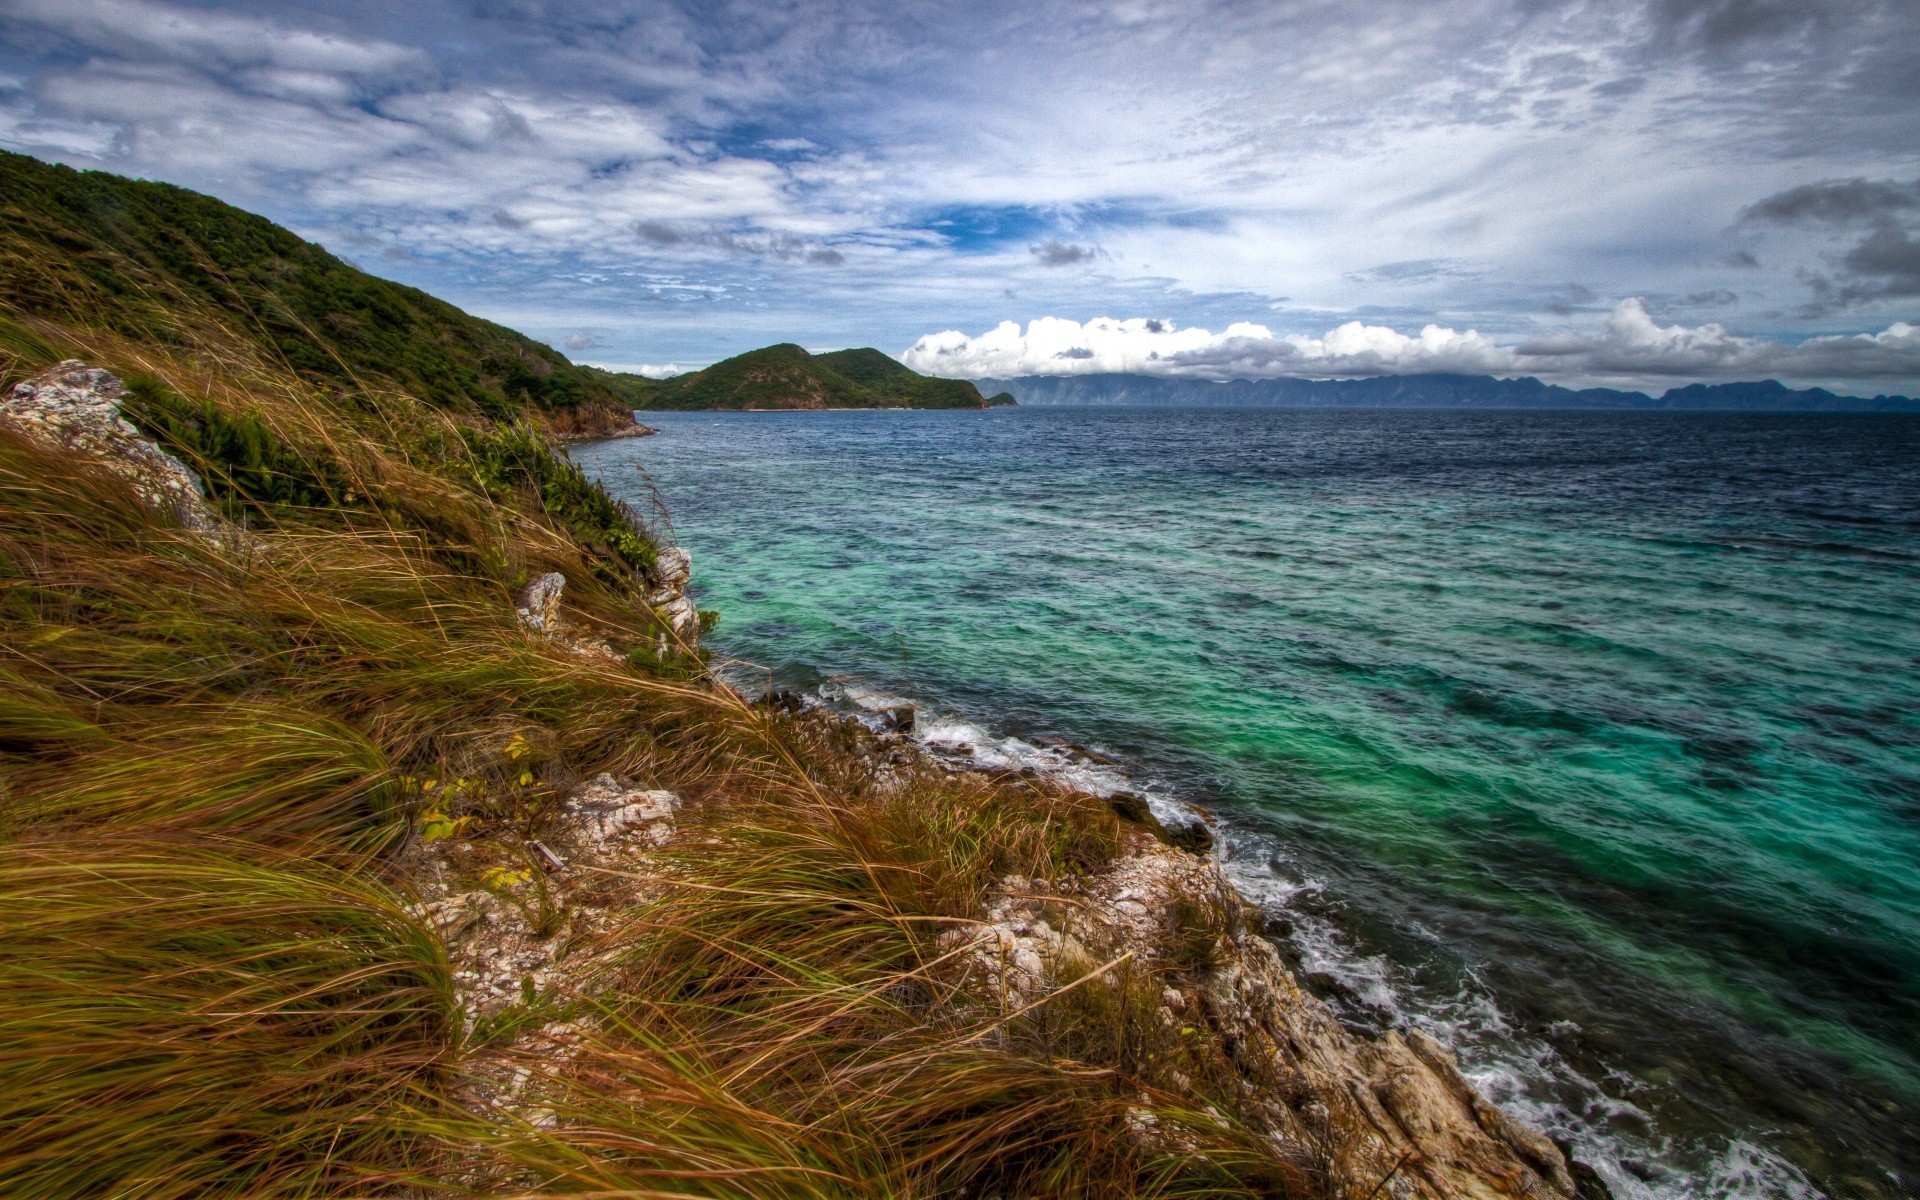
(183, 1022)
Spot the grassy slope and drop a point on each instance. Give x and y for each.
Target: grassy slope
(209, 753)
(99, 249)
(786, 376)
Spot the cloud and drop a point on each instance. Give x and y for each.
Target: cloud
(584, 341)
(686, 177)
(1418, 270)
(1891, 259)
(1627, 345)
(1834, 202)
(1052, 345)
(1056, 253)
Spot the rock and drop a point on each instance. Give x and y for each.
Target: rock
(898, 720)
(77, 408)
(681, 617)
(1390, 1115)
(539, 603)
(606, 809)
(1134, 809)
(672, 568)
(1192, 835)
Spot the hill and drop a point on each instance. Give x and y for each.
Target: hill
(148, 260)
(787, 377)
(1426, 391)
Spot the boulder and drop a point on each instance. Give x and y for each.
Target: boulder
(77, 408)
(672, 568)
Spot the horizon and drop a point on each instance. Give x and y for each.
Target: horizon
(1664, 193)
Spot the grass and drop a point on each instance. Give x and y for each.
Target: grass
(227, 742)
(181, 1021)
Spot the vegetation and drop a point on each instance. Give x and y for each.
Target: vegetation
(156, 263)
(786, 376)
(214, 752)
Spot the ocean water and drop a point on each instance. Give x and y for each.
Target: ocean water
(1586, 741)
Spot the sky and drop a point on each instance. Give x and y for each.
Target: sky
(1627, 194)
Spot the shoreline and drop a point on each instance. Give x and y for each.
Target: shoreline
(958, 746)
(1361, 992)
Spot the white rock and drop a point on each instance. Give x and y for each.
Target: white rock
(681, 616)
(539, 604)
(606, 808)
(672, 568)
(77, 407)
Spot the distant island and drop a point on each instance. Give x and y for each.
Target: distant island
(1427, 391)
(787, 377)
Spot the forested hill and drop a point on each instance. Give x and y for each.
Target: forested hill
(786, 376)
(156, 263)
(1426, 391)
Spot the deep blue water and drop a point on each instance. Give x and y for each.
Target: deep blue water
(1586, 740)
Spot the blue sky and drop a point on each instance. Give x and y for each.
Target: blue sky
(1641, 194)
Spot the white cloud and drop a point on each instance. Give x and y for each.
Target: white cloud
(214, 38)
(1629, 346)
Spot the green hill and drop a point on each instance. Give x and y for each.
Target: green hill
(158, 263)
(787, 377)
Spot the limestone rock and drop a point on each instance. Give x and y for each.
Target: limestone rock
(1392, 1114)
(607, 809)
(539, 604)
(76, 407)
(672, 570)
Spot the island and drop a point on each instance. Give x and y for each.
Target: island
(787, 377)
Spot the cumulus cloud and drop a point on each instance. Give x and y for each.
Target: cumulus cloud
(1628, 344)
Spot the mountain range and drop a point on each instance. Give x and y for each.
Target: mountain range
(1426, 391)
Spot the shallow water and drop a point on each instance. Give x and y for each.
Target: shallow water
(1586, 741)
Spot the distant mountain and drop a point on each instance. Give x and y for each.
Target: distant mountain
(1426, 391)
(787, 377)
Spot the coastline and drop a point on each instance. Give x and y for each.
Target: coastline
(1396, 1099)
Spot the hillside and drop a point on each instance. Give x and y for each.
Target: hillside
(153, 262)
(1426, 391)
(787, 377)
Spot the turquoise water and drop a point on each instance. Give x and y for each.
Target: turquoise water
(1586, 741)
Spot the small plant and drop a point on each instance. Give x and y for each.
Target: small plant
(526, 888)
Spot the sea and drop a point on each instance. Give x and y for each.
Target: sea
(1586, 742)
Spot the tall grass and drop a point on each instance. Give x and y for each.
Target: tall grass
(182, 1022)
